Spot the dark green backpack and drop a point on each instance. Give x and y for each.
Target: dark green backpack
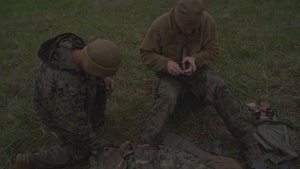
(273, 135)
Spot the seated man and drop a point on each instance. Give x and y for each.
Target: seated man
(179, 47)
(69, 93)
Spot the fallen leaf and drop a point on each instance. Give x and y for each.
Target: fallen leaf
(148, 90)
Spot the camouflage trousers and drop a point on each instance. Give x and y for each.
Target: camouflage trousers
(207, 86)
(76, 134)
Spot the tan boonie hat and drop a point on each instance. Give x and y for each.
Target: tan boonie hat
(187, 13)
(101, 58)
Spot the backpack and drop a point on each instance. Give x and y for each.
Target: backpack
(273, 135)
(48, 47)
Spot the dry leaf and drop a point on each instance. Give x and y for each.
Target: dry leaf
(148, 90)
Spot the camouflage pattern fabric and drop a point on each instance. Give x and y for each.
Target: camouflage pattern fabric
(176, 152)
(70, 103)
(62, 100)
(168, 159)
(206, 85)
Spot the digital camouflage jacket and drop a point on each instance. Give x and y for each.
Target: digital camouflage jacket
(68, 101)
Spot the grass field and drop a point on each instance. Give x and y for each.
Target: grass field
(260, 57)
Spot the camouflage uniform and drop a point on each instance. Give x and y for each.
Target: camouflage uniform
(206, 86)
(70, 103)
(165, 42)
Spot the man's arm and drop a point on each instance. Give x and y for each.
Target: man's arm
(70, 111)
(150, 52)
(210, 48)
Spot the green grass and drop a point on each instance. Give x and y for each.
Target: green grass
(259, 57)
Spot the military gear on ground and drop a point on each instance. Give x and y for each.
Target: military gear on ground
(188, 13)
(182, 143)
(274, 138)
(113, 159)
(168, 159)
(262, 111)
(177, 152)
(144, 156)
(101, 57)
(110, 158)
(273, 135)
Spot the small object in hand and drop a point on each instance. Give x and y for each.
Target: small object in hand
(183, 66)
(183, 55)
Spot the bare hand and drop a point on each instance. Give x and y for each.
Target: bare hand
(191, 66)
(110, 86)
(109, 83)
(174, 69)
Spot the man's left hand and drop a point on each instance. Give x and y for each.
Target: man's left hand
(191, 66)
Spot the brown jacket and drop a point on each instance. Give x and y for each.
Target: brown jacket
(165, 41)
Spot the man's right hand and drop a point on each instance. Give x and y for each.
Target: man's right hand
(174, 69)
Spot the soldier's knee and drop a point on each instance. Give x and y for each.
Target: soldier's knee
(170, 97)
(166, 93)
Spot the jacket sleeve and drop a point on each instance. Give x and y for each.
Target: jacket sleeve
(210, 47)
(69, 97)
(151, 52)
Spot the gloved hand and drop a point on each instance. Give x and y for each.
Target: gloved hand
(220, 162)
(254, 157)
(145, 157)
